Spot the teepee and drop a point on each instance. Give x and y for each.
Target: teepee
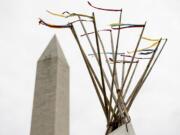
(117, 73)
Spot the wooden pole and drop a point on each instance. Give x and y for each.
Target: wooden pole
(150, 69)
(134, 54)
(155, 60)
(90, 73)
(140, 82)
(100, 65)
(105, 76)
(123, 70)
(105, 55)
(131, 62)
(132, 75)
(113, 56)
(114, 66)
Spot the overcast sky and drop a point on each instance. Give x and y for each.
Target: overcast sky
(156, 110)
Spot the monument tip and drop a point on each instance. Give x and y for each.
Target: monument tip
(53, 50)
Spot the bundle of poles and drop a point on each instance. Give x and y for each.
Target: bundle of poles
(113, 97)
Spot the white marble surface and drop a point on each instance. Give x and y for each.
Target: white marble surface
(51, 98)
(124, 130)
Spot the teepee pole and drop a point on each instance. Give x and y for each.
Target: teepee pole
(123, 70)
(132, 60)
(87, 65)
(150, 69)
(95, 54)
(105, 55)
(132, 75)
(148, 72)
(134, 54)
(140, 82)
(100, 65)
(114, 66)
(113, 56)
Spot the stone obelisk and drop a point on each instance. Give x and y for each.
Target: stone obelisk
(50, 114)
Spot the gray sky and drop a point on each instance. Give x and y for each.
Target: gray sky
(156, 110)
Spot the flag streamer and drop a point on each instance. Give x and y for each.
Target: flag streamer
(124, 24)
(68, 14)
(128, 26)
(105, 9)
(122, 61)
(92, 54)
(52, 25)
(150, 39)
(139, 50)
(56, 14)
(94, 32)
(140, 58)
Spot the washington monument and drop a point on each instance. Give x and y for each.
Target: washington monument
(51, 98)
